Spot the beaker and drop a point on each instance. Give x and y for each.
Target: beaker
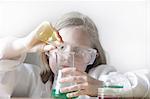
(61, 60)
(109, 93)
(116, 86)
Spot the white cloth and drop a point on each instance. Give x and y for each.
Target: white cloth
(23, 80)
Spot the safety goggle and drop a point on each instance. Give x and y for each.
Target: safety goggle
(86, 55)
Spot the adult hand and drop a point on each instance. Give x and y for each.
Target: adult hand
(85, 85)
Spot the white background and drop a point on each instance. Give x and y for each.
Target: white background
(124, 26)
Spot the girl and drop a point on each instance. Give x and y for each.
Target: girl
(79, 31)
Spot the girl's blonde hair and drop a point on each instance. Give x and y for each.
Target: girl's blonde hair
(78, 19)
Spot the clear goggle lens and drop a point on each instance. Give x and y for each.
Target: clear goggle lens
(86, 55)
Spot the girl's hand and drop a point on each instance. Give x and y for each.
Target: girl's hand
(85, 85)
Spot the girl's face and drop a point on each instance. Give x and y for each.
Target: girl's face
(75, 36)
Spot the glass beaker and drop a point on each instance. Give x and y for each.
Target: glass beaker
(112, 92)
(116, 86)
(61, 60)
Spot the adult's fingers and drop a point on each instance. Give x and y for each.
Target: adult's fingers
(74, 88)
(73, 70)
(41, 48)
(48, 48)
(77, 79)
(76, 94)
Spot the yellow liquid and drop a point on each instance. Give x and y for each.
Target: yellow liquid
(46, 33)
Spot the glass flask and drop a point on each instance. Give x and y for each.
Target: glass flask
(61, 60)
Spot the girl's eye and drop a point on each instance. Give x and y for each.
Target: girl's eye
(61, 47)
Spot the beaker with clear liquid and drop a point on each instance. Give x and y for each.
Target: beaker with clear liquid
(62, 60)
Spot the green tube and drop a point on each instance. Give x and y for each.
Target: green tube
(113, 86)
